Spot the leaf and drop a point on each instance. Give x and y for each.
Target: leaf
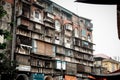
(2, 12)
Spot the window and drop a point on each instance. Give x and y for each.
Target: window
(39, 63)
(113, 67)
(47, 64)
(34, 46)
(68, 52)
(83, 32)
(56, 11)
(26, 11)
(89, 38)
(76, 32)
(36, 14)
(77, 42)
(57, 25)
(37, 26)
(67, 40)
(85, 44)
(66, 16)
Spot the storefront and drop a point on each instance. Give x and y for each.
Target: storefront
(112, 76)
(67, 77)
(37, 76)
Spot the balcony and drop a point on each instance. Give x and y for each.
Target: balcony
(39, 4)
(49, 25)
(87, 45)
(43, 48)
(39, 28)
(69, 53)
(23, 63)
(47, 71)
(48, 39)
(49, 18)
(49, 32)
(24, 40)
(67, 33)
(89, 26)
(88, 69)
(76, 48)
(23, 10)
(78, 56)
(76, 42)
(71, 68)
(23, 49)
(37, 36)
(23, 32)
(23, 60)
(36, 63)
(80, 68)
(24, 24)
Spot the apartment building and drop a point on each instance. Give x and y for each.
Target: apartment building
(51, 42)
(104, 64)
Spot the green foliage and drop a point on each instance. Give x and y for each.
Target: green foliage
(1, 31)
(5, 64)
(12, 23)
(2, 12)
(2, 45)
(7, 35)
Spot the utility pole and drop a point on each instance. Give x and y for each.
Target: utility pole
(13, 32)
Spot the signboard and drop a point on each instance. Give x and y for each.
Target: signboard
(70, 77)
(23, 68)
(37, 76)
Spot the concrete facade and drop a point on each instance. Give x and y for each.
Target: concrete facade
(51, 42)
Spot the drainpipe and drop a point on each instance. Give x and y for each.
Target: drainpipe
(13, 32)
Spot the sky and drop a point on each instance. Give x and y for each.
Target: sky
(104, 19)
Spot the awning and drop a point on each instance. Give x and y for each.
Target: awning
(106, 75)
